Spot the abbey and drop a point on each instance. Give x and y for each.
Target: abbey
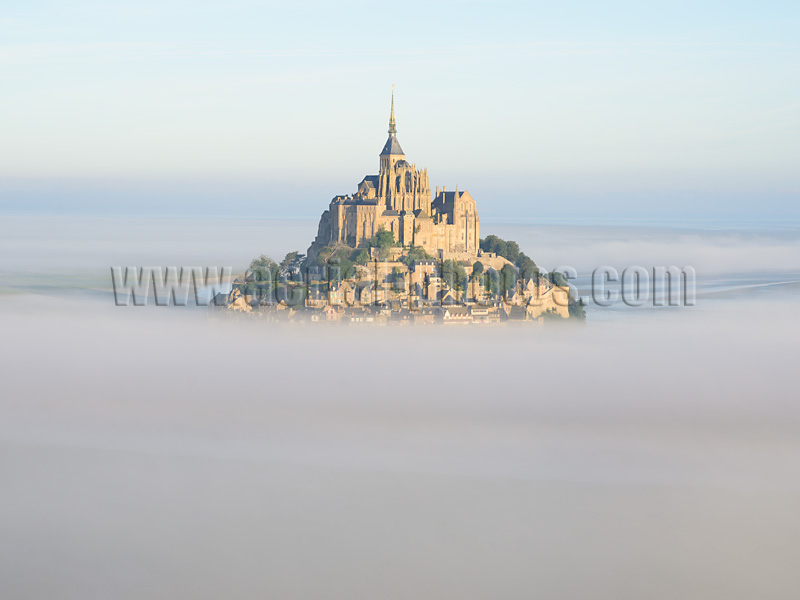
(398, 199)
(390, 252)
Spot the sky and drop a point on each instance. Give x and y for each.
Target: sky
(657, 110)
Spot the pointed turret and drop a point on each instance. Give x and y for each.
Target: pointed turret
(392, 123)
(392, 146)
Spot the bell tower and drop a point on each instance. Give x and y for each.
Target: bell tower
(392, 152)
(389, 180)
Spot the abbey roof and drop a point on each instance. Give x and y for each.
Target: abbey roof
(392, 147)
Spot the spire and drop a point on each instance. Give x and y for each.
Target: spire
(392, 146)
(392, 124)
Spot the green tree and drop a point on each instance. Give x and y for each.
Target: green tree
(508, 278)
(291, 262)
(454, 275)
(511, 252)
(398, 277)
(383, 240)
(492, 243)
(558, 279)
(551, 315)
(577, 309)
(492, 281)
(260, 279)
(322, 256)
(262, 268)
(340, 268)
(414, 254)
(527, 268)
(477, 270)
(360, 257)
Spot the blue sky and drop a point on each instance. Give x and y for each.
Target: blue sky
(553, 110)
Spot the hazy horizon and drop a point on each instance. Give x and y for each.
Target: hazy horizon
(664, 110)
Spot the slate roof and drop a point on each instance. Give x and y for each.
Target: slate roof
(392, 146)
(370, 181)
(449, 196)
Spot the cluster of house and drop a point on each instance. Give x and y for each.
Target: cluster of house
(390, 292)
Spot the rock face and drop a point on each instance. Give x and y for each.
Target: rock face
(398, 199)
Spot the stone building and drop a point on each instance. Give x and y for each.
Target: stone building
(398, 199)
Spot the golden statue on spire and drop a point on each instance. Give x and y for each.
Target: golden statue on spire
(392, 124)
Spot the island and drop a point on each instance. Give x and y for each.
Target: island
(392, 252)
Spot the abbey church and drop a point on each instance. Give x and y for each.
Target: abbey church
(398, 199)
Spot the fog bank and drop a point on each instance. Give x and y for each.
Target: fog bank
(157, 452)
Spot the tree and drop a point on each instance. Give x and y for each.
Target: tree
(262, 268)
(340, 268)
(360, 257)
(508, 278)
(398, 277)
(511, 252)
(414, 254)
(527, 268)
(577, 309)
(492, 281)
(494, 244)
(383, 240)
(322, 256)
(454, 275)
(551, 315)
(558, 279)
(260, 279)
(291, 262)
(477, 270)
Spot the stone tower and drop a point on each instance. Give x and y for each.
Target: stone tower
(401, 187)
